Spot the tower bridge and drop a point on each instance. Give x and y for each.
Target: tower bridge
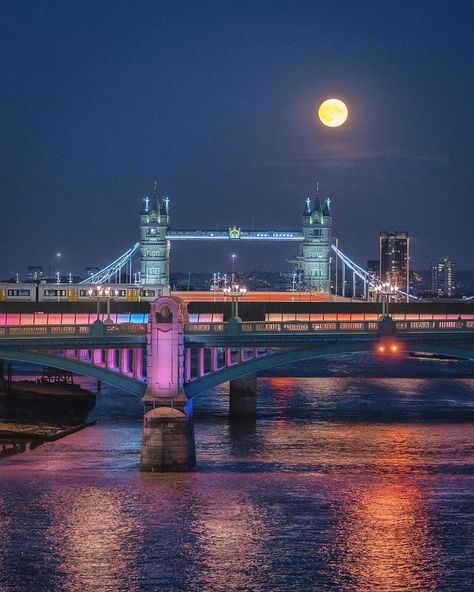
(156, 236)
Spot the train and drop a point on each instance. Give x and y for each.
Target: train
(48, 292)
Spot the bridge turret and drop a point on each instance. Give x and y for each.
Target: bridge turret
(317, 210)
(317, 245)
(326, 211)
(145, 206)
(154, 245)
(307, 211)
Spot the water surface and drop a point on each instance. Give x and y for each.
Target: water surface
(347, 482)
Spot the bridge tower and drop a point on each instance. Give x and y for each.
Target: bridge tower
(154, 246)
(316, 246)
(168, 435)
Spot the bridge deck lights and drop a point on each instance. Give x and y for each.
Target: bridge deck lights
(100, 293)
(386, 291)
(235, 292)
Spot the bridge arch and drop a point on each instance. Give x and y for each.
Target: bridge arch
(115, 379)
(267, 362)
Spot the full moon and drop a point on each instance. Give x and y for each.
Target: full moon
(332, 112)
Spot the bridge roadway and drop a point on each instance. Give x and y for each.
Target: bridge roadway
(247, 334)
(296, 332)
(218, 352)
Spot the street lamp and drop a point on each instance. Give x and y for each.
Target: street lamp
(386, 291)
(106, 294)
(235, 292)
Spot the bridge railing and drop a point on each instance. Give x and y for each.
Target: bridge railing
(284, 327)
(72, 330)
(407, 326)
(126, 329)
(298, 327)
(245, 328)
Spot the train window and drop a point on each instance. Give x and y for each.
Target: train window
(50, 293)
(147, 293)
(122, 292)
(83, 293)
(18, 292)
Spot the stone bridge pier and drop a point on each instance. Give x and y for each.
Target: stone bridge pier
(243, 396)
(168, 433)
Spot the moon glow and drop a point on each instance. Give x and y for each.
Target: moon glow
(332, 112)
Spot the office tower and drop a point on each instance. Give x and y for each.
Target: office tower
(395, 258)
(442, 278)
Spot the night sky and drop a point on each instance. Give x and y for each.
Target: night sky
(216, 100)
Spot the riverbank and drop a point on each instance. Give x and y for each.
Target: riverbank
(44, 432)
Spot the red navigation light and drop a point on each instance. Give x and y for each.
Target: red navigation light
(381, 348)
(394, 347)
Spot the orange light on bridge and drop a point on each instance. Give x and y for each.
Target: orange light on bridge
(388, 348)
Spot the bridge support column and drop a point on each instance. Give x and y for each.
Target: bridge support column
(201, 369)
(243, 396)
(168, 441)
(168, 434)
(97, 357)
(137, 363)
(111, 362)
(187, 364)
(124, 369)
(214, 359)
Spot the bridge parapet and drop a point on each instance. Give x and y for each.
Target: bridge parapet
(259, 328)
(73, 330)
(434, 325)
(320, 327)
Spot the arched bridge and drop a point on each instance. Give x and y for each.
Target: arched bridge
(112, 353)
(226, 351)
(187, 358)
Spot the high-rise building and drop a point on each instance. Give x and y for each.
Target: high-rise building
(395, 258)
(442, 278)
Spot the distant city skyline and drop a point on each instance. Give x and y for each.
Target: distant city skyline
(218, 103)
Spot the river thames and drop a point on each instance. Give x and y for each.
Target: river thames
(347, 482)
